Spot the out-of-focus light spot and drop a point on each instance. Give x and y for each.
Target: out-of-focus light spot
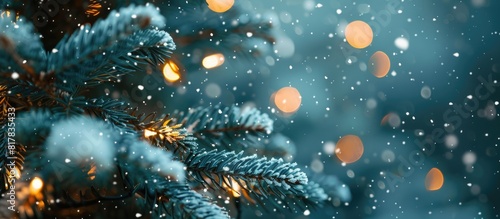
(469, 158)
(362, 66)
(359, 34)
(220, 6)
(35, 185)
(456, 54)
(478, 3)
(371, 103)
(309, 5)
(213, 61)
(287, 99)
(213, 90)
(388, 156)
(329, 147)
(93, 8)
(92, 172)
(434, 179)
(426, 92)
(233, 187)
(18, 173)
(284, 47)
(235, 190)
(316, 166)
(15, 75)
(349, 149)
(379, 64)
(307, 213)
(350, 174)
(392, 119)
(171, 71)
(364, 8)
(451, 141)
(148, 133)
(402, 43)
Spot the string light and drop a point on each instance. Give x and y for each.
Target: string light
(92, 172)
(234, 189)
(94, 8)
(36, 185)
(213, 61)
(171, 71)
(149, 133)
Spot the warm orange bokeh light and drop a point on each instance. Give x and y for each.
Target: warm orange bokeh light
(379, 64)
(236, 190)
(213, 61)
(434, 179)
(358, 34)
(36, 185)
(349, 149)
(149, 133)
(220, 6)
(171, 71)
(287, 99)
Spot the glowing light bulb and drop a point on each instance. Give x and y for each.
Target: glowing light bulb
(236, 190)
(287, 99)
(434, 179)
(220, 6)
(18, 173)
(349, 149)
(171, 71)
(358, 34)
(36, 185)
(92, 172)
(213, 61)
(149, 133)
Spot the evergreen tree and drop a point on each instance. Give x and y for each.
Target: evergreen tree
(69, 149)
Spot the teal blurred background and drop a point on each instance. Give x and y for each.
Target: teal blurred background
(451, 46)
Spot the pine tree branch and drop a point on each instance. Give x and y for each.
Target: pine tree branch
(91, 48)
(112, 111)
(228, 127)
(173, 195)
(20, 49)
(260, 176)
(334, 188)
(72, 203)
(144, 159)
(214, 32)
(141, 49)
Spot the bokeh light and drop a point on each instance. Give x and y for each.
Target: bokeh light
(426, 92)
(36, 185)
(148, 133)
(349, 149)
(287, 99)
(392, 119)
(434, 179)
(402, 43)
(220, 6)
(213, 61)
(358, 34)
(379, 64)
(171, 71)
